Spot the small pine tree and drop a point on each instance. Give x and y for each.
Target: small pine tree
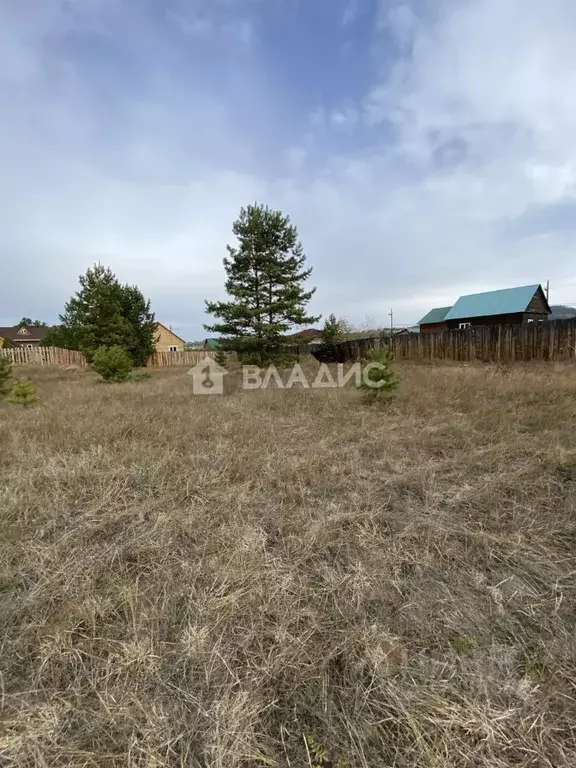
(112, 363)
(5, 374)
(23, 393)
(379, 379)
(332, 331)
(221, 357)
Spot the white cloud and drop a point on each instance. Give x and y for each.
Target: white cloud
(500, 76)
(346, 117)
(350, 13)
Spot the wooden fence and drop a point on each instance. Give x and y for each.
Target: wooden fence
(189, 358)
(65, 357)
(43, 356)
(553, 341)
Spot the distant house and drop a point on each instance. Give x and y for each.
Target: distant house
(22, 336)
(434, 320)
(406, 331)
(208, 345)
(308, 336)
(167, 340)
(510, 306)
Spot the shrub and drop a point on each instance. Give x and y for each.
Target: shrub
(5, 374)
(23, 393)
(221, 358)
(380, 380)
(112, 363)
(140, 376)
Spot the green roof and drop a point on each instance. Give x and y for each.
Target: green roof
(503, 302)
(436, 315)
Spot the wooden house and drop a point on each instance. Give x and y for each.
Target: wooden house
(510, 306)
(167, 340)
(307, 336)
(23, 336)
(434, 320)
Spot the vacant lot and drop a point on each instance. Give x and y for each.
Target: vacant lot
(290, 578)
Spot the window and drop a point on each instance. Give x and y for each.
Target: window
(463, 326)
(173, 348)
(29, 346)
(23, 332)
(530, 320)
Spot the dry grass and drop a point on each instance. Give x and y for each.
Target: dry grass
(290, 578)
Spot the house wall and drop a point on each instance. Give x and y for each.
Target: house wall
(509, 319)
(166, 339)
(26, 342)
(432, 327)
(23, 342)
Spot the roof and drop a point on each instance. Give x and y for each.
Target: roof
(21, 333)
(308, 333)
(166, 327)
(437, 315)
(503, 302)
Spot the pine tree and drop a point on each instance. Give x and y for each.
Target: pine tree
(332, 331)
(60, 336)
(112, 363)
(105, 313)
(5, 374)
(23, 393)
(379, 379)
(265, 280)
(136, 310)
(221, 357)
(27, 322)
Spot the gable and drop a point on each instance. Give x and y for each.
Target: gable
(538, 303)
(502, 302)
(167, 336)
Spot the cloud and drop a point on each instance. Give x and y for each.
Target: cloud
(345, 117)
(350, 13)
(132, 136)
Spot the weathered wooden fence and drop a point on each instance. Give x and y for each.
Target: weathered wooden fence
(65, 357)
(43, 356)
(189, 357)
(504, 343)
(554, 341)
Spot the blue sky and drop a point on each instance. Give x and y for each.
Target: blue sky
(423, 149)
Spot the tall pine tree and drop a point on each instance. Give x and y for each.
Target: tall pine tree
(105, 313)
(265, 280)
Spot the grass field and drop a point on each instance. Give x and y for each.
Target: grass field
(290, 578)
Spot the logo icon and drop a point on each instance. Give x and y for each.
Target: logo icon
(207, 377)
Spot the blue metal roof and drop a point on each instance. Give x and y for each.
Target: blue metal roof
(506, 301)
(435, 315)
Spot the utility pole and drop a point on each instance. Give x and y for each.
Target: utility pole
(391, 313)
(548, 291)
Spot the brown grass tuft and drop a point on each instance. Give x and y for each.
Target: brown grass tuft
(290, 578)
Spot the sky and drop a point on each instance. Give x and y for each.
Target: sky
(423, 148)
